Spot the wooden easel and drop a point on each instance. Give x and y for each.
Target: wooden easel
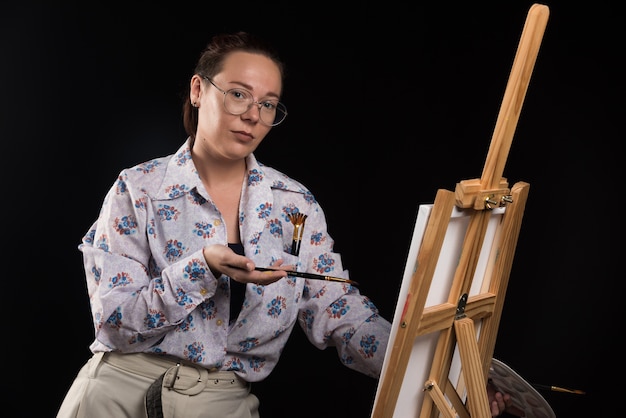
(465, 323)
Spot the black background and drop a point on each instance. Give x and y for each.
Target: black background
(388, 102)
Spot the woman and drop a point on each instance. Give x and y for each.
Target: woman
(184, 323)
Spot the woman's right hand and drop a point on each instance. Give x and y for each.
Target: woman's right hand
(223, 260)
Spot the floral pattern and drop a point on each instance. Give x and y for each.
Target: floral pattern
(151, 290)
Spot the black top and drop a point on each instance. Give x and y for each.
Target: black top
(237, 289)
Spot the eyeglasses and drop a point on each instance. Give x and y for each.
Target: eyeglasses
(239, 101)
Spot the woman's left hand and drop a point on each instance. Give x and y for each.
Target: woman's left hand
(500, 403)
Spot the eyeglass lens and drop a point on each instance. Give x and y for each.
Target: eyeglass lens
(271, 112)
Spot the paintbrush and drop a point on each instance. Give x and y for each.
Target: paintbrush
(297, 219)
(311, 276)
(557, 389)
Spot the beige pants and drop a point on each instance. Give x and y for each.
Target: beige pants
(115, 385)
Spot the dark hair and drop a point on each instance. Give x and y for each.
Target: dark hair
(211, 62)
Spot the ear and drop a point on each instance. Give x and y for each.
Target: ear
(195, 90)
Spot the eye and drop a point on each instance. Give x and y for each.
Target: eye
(271, 106)
(239, 95)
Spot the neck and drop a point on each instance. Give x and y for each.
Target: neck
(219, 173)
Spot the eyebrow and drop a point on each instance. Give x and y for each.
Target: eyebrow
(249, 87)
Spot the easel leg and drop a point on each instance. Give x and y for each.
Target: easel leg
(439, 399)
(476, 382)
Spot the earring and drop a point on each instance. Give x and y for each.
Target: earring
(194, 104)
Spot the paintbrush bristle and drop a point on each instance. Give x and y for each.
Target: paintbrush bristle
(297, 218)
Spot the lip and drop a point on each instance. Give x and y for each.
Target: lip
(243, 135)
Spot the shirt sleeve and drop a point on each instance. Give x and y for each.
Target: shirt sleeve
(336, 314)
(133, 304)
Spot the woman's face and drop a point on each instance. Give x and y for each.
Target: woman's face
(220, 133)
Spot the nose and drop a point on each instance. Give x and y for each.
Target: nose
(254, 111)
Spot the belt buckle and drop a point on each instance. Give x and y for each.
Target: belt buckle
(172, 380)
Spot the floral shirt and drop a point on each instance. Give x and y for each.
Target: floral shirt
(151, 290)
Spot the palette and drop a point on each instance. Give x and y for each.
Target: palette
(524, 396)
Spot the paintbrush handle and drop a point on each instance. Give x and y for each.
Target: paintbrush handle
(311, 276)
(295, 242)
(557, 389)
(294, 247)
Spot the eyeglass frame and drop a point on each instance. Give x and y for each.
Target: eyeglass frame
(253, 102)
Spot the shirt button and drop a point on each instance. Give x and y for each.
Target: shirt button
(217, 222)
(219, 322)
(203, 291)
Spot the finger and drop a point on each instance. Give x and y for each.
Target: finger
(279, 263)
(222, 259)
(500, 400)
(268, 276)
(239, 262)
(495, 410)
(284, 267)
(509, 408)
